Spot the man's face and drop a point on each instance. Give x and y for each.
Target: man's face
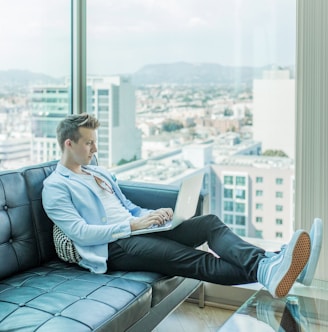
(83, 151)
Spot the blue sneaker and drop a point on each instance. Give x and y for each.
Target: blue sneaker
(279, 272)
(316, 232)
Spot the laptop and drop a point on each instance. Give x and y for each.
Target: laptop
(185, 206)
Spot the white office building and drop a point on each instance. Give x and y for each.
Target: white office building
(255, 196)
(274, 111)
(113, 102)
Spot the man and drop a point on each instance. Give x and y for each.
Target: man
(87, 204)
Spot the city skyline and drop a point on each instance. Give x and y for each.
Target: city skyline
(123, 37)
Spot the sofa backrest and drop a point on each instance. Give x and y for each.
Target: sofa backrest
(25, 230)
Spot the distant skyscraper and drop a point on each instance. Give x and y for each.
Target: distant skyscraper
(49, 104)
(274, 111)
(113, 100)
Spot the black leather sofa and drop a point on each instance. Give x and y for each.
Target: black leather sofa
(39, 292)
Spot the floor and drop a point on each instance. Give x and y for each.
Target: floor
(188, 317)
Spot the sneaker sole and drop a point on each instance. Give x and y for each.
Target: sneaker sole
(315, 253)
(300, 256)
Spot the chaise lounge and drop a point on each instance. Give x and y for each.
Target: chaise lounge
(40, 292)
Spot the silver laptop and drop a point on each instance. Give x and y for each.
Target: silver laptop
(185, 206)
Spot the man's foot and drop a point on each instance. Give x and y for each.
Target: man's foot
(279, 272)
(316, 232)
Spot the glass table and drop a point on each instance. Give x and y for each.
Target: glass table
(293, 313)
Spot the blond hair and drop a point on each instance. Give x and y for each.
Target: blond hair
(68, 128)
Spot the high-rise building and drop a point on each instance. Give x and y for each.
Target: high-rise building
(274, 111)
(49, 104)
(113, 102)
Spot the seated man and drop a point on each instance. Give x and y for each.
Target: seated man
(88, 206)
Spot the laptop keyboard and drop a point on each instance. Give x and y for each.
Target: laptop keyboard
(167, 224)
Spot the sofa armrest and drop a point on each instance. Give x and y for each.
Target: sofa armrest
(155, 196)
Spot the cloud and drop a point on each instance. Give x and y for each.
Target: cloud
(197, 22)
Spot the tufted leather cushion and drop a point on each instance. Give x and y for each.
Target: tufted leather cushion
(63, 297)
(18, 244)
(161, 285)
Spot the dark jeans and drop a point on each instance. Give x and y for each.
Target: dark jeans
(174, 253)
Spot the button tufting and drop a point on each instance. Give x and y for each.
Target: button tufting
(57, 314)
(5, 207)
(22, 304)
(11, 241)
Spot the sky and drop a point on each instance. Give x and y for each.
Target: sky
(123, 36)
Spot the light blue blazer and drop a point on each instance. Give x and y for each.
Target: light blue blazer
(77, 210)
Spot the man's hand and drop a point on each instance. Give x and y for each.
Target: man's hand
(157, 217)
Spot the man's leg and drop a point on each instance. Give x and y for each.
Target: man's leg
(229, 246)
(174, 253)
(159, 254)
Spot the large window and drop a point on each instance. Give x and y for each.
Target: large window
(178, 85)
(188, 72)
(152, 58)
(34, 79)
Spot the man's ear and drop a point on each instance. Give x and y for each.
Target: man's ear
(68, 143)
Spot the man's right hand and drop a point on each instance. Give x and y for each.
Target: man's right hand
(157, 217)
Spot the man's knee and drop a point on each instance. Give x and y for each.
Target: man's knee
(214, 218)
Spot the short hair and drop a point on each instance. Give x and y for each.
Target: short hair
(68, 128)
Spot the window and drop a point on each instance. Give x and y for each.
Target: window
(259, 219)
(240, 220)
(228, 206)
(228, 179)
(102, 92)
(279, 208)
(240, 207)
(174, 103)
(279, 235)
(279, 221)
(279, 194)
(240, 180)
(240, 194)
(161, 117)
(259, 206)
(259, 179)
(228, 219)
(228, 193)
(35, 71)
(279, 181)
(259, 193)
(259, 234)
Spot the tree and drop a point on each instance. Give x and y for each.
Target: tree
(171, 125)
(124, 161)
(275, 153)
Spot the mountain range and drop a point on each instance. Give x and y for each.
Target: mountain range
(173, 73)
(24, 77)
(189, 73)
